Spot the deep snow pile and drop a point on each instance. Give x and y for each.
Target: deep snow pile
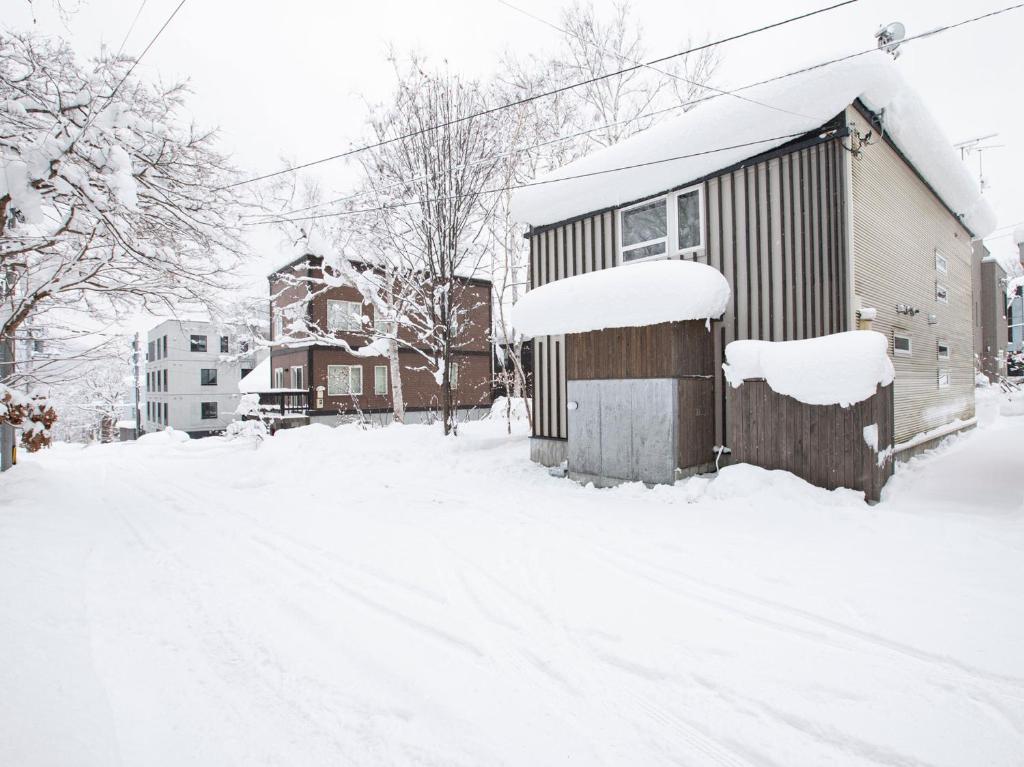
(389, 596)
(639, 294)
(840, 369)
(802, 103)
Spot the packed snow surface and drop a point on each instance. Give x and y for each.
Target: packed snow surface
(628, 296)
(256, 380)
(839, 369)
(391, 597)
(798, 105)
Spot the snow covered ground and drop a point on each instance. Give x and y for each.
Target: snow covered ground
(391, 597)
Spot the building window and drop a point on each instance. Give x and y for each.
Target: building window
(278, 378)
(197, 343)
(688, 221)
(943, 378)
(643, 230)
(278, 327)
(243, 347)
(156, 348)
(344, 380)
(381, 327)
(1015, 322)
(902, 346)
(453, 375)
(166, 419)
(208, 410)
(297, 382)
(150, 354)
(208, 377)
(163, 341)
(941, 264)
(246, 371)
(942, 350)
(941, 293)
(344, 315)
(380, 380)
(224, 344)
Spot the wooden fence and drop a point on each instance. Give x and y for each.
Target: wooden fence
(823, 444)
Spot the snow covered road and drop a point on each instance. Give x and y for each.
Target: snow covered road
(391, 597)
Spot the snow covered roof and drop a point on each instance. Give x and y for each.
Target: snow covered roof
(801, 104)
(841, 369)
(628, 296)
(256, 380)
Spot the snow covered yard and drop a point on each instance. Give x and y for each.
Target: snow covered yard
(392, 597)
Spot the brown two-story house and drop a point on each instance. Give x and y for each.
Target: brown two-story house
(312, 322)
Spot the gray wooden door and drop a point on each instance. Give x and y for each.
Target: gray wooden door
(623, 429)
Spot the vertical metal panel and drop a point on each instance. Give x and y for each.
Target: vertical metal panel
(740, 282)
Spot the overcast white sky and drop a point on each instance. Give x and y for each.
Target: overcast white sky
(290, 79)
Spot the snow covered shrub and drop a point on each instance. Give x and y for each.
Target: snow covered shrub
(252, 421)
(37, 435)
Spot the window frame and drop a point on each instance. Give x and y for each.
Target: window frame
(192, 343)
(941, 293)
(202, 411)
(296, 381)
(205, 379)
(380, 383)
(939, 345)
(940, 374)
(671, 238)
(351, 390)
(164, 342)
(358, 316)
(944, 268)
(225, 344)
(278, 378)
(909, 351)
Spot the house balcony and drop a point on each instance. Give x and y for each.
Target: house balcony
(285, 402)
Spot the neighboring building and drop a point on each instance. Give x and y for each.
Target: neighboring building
(192, 374)
(990, 313)
(829, 201)
(336, 381)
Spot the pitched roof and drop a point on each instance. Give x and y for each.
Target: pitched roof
(801, 104)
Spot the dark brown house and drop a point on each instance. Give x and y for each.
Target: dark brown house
(312, 371)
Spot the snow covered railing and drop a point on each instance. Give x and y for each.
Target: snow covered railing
(285, 401)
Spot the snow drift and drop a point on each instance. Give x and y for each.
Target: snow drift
(840, 369)
(799, 104)
(630, 296)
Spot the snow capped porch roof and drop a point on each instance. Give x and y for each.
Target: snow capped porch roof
(799, 104)
(634, 295)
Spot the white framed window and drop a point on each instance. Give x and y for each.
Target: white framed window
(673, 224)
(298, 380)
(381, 327)
(344, 380)
(278, 326)
(942, 378)
(941, 263)
(278, 378)
(453, 375)
(380, 379)
(902, 345)
(942, 350)
(941, 293)
(344, 315)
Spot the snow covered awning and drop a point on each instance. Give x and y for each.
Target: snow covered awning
(696, 144)
(628, 296)
(840, 369)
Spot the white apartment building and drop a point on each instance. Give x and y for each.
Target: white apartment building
(192, 374)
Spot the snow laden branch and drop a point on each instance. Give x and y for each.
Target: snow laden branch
(109, 202)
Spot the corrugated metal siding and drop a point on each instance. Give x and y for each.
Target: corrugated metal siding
(774, 228)
(898, 224)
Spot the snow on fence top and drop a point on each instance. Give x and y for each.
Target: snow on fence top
(801, 104)
(628, 296)
(840, 369)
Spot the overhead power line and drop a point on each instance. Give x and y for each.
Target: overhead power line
(545, 94)
(144, 50)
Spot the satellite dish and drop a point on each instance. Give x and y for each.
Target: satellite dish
(890, 36)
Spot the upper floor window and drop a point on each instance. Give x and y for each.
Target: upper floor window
(164, 344)
(197, 343)
(902, 346)
(669, 225)
(942, 378)
(941, 293)
(224, 344)
(243, 347)
(208, 377)
(278, 326)
(942, 350)
(381, 327)
(344, 315)
(941, 264)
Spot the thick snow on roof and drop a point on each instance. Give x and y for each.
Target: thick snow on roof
(256, 380)
(627, 296)
(840, 369)
(802, 103)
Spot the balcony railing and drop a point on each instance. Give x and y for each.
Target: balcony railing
(285, 401)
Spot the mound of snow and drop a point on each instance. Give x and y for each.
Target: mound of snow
(168, 436)
(840, 369)
(629, 296)
(691, 146)
(257, 379)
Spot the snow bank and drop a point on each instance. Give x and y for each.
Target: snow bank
(840, 369)
(803, 103)
(627, 296)
(169, 436)
(257, 379)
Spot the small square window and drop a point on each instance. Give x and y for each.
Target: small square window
(902, 345)
(208, 377)
(941, 264)
(224, 344)
(644, 230)
(942, 350)
(197, 343)
(344, 315)
(943, 379)
(208, 410)
(941, 293)
(243, 347)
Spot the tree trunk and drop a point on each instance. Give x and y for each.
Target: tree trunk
(397, 398)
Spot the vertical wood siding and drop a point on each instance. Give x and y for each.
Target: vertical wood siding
(774, 228)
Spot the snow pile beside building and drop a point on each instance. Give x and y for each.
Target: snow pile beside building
(630, 296)
(840, 369)
(726, 130)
